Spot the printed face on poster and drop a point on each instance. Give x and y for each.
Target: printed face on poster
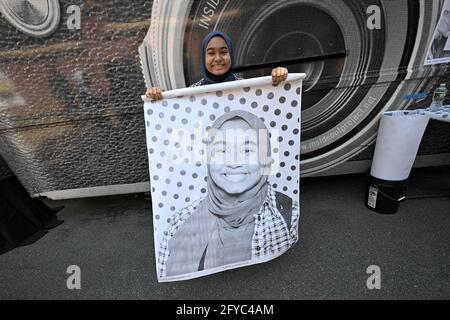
(224, 174)
(439, 48)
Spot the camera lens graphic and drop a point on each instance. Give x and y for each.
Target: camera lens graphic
(269, 41)
(38, 18)
(353, 72)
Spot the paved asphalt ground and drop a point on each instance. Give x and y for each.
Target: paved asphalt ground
(111, 240)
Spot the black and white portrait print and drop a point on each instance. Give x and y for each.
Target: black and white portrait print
(224, 169)
(439, 49)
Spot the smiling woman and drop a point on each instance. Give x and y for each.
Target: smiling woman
(217, 64)
(242, 217)
(218, 57)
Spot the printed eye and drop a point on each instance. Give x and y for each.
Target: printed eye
(220, 150)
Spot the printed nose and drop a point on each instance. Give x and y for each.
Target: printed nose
(234, 165)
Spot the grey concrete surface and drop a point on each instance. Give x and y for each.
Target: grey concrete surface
(111, 240)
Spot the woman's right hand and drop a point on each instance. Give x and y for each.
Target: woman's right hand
(154, 93)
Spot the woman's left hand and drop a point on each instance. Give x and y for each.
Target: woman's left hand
(279, 75)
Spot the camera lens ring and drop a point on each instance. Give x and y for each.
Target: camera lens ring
(374, 98)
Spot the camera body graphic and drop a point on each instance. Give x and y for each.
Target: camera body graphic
(71, 113)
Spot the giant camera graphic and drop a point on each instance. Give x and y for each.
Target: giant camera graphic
(354, 73)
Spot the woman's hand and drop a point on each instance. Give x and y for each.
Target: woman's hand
(154, 93)
(279, 75)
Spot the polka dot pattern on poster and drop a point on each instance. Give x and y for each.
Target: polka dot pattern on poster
(175, 130)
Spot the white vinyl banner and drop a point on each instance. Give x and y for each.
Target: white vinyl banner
(224, 172)
(398, 141)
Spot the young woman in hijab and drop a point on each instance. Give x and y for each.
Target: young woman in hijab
(217, 64)
(242, 217)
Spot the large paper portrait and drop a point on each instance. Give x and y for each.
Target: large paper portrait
(439, 48)
(224, 173)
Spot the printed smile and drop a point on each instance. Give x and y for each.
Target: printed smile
(235, 174)
(238, 176)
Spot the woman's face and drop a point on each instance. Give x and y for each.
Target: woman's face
(217, 57)
(233, 157)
